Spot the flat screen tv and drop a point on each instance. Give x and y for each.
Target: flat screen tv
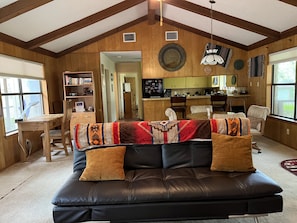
(152, 88)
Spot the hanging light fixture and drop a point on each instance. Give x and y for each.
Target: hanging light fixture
(211, 57)
(161, 13)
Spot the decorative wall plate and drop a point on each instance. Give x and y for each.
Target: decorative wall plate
(238, 64)
(172, 57)
(207, 69)
(233, 80)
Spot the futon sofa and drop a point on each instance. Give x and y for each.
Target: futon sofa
(168, 173)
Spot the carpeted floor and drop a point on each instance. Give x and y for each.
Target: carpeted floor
(26, 189)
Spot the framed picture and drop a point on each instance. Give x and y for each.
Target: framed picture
(79, 106)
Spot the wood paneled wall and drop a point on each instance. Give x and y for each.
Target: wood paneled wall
(150, 39)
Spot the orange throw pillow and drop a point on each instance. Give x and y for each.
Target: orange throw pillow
(232, 153)
(104, 164)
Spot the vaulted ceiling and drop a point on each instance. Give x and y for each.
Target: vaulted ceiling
(57, 27)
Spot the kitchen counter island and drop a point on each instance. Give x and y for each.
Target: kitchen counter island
(154, 108)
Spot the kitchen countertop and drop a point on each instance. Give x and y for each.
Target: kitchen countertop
(194, 97)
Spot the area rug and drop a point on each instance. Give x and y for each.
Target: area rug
(290, 165)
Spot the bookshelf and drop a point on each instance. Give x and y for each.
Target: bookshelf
(79, 87)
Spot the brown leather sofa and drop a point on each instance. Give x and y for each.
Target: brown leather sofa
(166, 182)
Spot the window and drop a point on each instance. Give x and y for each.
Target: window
(284, 89)
(21, 98)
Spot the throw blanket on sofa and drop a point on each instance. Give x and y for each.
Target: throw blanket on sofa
(140, 132)
(231, 126)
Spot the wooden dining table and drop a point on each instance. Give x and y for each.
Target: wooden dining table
(41, 123)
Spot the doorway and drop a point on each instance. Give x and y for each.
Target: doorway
(123, 69)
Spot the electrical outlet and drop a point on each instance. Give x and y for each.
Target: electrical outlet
(251, 84)
(258, 84)
(288, 131)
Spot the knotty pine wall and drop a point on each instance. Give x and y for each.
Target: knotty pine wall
(150, 39)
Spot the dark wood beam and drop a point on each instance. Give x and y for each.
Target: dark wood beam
(153, 5)
(291, 2)
(16, 42)
(104, 35)
(19, 7)
(122, 6)
(289, 32)
(225, 18)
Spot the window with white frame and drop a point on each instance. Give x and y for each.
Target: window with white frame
(284, 85)
(21, 99)
(20, 90)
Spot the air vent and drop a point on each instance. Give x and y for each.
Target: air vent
(129, 37)
(171, 35)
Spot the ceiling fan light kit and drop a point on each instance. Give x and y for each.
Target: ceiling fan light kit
(211, 57)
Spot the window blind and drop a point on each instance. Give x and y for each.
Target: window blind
(16, 67)
(283, 56)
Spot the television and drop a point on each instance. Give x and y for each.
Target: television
(152, 88)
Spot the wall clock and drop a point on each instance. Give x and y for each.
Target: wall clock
(172, 57)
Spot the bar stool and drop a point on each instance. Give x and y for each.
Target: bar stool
(237, 105)
(219, 102)
(178, 104)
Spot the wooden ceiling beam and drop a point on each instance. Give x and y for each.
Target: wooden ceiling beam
(19, 7)
(291, 2)
(122, 6)
(153, 5)
(225, 18)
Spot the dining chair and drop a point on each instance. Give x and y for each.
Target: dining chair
(178, 104)
(63, 134)
(219, 102)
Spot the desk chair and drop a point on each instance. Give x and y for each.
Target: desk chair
(257, 115)
(219, 102)
(178, 104)
(63, 134)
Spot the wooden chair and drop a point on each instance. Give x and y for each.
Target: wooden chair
(257, 115)
(219, 102)
(178, 104)
(62, 135)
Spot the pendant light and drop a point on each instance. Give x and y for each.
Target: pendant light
(161, 13)
(211, 57)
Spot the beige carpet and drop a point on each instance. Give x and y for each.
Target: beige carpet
(26, 189)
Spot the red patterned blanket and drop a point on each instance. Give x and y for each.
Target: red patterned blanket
(156, 132)
(140, 132)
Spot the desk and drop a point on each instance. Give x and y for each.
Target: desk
(42, 123)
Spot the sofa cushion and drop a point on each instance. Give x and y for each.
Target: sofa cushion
(232, 153)
(104, 164)
(187, 154)
(143, 156)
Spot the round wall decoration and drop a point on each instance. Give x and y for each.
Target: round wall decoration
(172, 57)
(238, 64)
